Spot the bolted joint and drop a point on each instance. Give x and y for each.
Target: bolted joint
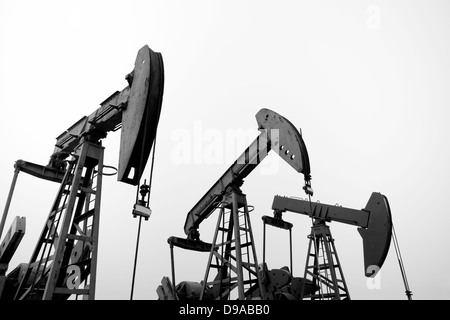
(278, 214)
(130, 77)
(144, 190)
(140, 208)
(307, 188)
(194, 234)
(142, 211)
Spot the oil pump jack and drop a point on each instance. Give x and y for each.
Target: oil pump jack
(63, 263)
(234, 225)
(323, 276)
(233, 245)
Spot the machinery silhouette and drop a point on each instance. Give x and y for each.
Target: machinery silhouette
(64, 261)
(232, 251)
(63, 264)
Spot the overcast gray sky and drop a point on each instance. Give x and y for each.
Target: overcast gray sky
(366, 81)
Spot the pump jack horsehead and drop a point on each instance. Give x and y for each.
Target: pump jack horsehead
(64, 262)
(251, 279)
